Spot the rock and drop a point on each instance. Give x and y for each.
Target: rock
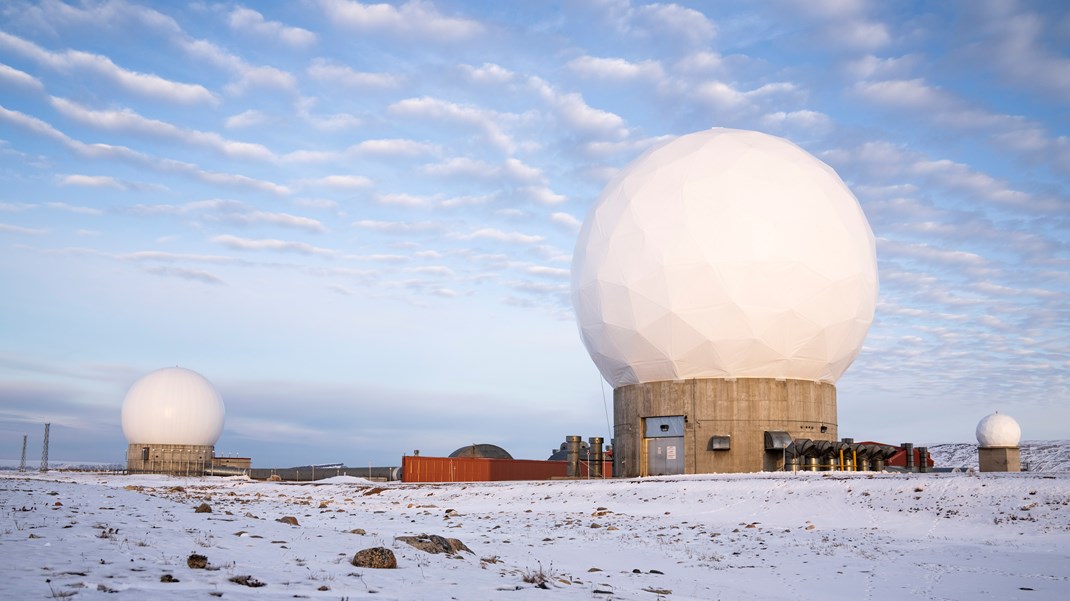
(203, 508)
(433, 543)
(168, 578)
(197, 562)
(359, 531)
(247, 581)
(288, 519)
(379, 558)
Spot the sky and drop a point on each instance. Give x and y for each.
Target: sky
(357, 220)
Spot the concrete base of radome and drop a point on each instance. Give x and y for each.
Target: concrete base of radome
(175, 459)
(723, 426)
(999, 459)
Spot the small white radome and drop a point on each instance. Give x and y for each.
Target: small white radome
(720, 254)
(998, 430)
(173, 406)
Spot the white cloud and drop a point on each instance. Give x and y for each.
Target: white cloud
(248, 20)
(109, 151)
(413, 19)
(18, 78)
(544, 195)
(127, 120)
(90, 181)
(398, 227)
(62, 206)
(499, 236)
(487, 73)
(238, 243)
(246, 118)
(144, 84)
(567, 220)
(404, 200)
(246, 76)
(18, 229)
(484, 120)
(616, 69)
(393, 148)
(184, 273)
(335, 74)
(575, 113)
(340, 181)
(805, 119)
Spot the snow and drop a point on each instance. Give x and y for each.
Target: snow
(747, 536)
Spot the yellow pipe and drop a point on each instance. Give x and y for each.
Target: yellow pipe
(841, 460)
(854, 455)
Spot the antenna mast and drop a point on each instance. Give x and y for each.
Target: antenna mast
(22, 460)
(44, 451)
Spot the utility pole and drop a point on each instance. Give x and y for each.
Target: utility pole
(22, 460)
(44, 451)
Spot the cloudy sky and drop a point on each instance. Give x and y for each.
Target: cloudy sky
(357, 220)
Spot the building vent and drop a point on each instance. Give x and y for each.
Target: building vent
(720, 443)
(776, 441)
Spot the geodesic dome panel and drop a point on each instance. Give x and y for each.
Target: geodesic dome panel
(724, 253)
(173, 406)
(998, 430)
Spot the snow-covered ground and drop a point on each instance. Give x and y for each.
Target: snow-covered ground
(753, 536)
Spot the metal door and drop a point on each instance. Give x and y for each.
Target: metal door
(665, 456)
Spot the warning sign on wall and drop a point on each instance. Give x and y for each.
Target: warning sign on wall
(670, 453)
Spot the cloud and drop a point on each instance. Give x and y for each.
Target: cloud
(574, 112)
(484, 120)
(127, 120)
(487, 73)
(725, 96)
(335, 74)
(343, 182)
(246, 76)
(414, 19)
(566, 220)
(238, 243)
(804, 119)
(62, 206)
(499, 236)
(90, 181)
(18, 78)
(195, 275)
(398, 227)
(403, 200)
(392, 148)
(246, 118)
(108, 151)
(143, 84)
(1012, 42)
(661, 23)
(279, 219)
(544, 195)
(18, 229)
(616, 69)
(247, 20)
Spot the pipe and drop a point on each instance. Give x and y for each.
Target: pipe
(923, 459)
(594, 469)
(908, 447)
(573, 445)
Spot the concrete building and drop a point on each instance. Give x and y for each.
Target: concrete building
(172, 419)
(998, 437)
(722, 283)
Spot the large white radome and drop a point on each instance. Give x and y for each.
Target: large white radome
(173, 406)
(724, 253)
(998, 430)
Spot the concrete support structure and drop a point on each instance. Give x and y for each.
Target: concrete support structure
(724, 424)
(174, 459)
(999, 459)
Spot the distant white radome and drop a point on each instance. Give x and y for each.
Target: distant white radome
(998, 430)
(173, 406)
(724, 254)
